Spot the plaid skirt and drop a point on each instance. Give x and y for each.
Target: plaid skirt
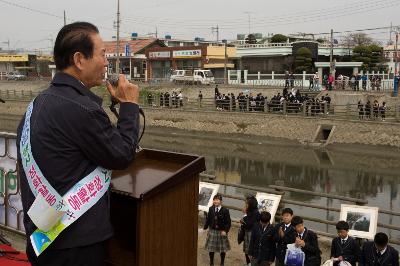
(216, 242)
(246, 242)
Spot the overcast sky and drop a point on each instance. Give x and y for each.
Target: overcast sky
(26, 27)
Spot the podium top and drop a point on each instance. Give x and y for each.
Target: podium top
(154, 171)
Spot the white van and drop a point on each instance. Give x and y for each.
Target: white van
(199, 76)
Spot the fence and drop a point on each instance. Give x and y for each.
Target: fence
(281, 190)
(309, 108)
(11, 213)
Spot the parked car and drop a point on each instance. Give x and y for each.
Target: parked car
(15, 76)
(198, 76)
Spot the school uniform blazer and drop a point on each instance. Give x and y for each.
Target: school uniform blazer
(262, 243)
(223, 222)
(281, 243)
(311, 249)
(369, 256)
(250, 220)
(350, 251)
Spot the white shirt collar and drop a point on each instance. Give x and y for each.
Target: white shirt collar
(345, 239)
(383, 251)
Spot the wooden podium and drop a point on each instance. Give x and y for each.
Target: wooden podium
(154, 210)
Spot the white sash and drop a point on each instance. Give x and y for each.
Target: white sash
(59, 211)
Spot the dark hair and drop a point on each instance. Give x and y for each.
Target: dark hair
(342, 225)
(287, 210)
(218, 196)
(297, 220)
(265, 217)
(381, 239)
(252, 204)
(72, 38)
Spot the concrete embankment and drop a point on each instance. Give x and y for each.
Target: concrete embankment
(301, 129)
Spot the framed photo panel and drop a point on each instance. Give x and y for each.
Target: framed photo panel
(269, 203)
(207, 192)
(363, 220)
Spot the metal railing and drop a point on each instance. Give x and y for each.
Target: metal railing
(18, 95)
(309, 108)
(10, 193)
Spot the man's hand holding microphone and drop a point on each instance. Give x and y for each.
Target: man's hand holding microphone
(124, 91)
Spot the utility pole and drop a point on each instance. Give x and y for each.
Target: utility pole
(225, 62)
(396, 62)
(8, 44)
(216, 30)
(248, 14)
(65, 19)
(390, 35)
(331, 66)
(118, 22)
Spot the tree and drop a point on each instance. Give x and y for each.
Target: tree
(303, 60)
(357, 39)
(251, 39)
(279, 38)
(371, 56)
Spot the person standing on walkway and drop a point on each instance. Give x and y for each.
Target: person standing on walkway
(307, 240)
(378, 252)
(219, 223)
(262, 248)
(344, 247)
(316, 81)
(331, 80)
(250, 219)
(285, 234)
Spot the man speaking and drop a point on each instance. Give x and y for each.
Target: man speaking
(67, 148)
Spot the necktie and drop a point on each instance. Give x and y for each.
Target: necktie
(343, 241)
(300, 236)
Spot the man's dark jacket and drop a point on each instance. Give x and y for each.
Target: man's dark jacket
(70, 136)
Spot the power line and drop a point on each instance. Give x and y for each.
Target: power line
(281, 20)
(31, 9)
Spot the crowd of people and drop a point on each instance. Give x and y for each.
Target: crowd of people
(173, 99)
(265, 243)
(354, 82)
(293, 100)
(373, 111)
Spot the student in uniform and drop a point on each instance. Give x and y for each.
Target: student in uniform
(250, 219)
(262, 247)
(379, 253)
(219, 223)
(284, 234)
(344, 247)
(307, 240)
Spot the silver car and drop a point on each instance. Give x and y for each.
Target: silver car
(15, 76)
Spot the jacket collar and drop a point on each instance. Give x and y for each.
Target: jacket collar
(61, 78)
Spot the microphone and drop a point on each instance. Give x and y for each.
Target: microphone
(114, 79)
